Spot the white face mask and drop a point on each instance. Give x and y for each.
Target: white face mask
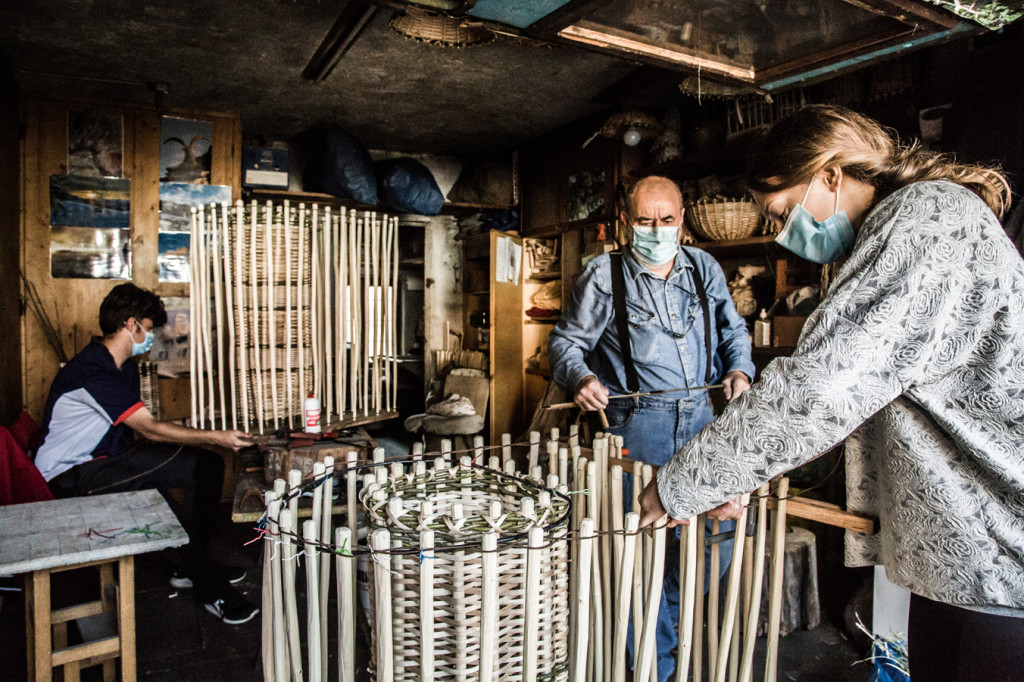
(656, 245)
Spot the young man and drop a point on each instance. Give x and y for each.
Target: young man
(100, 438)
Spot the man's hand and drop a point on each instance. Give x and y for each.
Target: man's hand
(731, 510)
(651, 508)
(591, 394)
(735, 384)
(234, 440)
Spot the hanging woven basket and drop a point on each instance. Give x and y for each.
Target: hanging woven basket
(438, 29)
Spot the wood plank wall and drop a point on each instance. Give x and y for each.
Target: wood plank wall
(77, 300)
(10, 287)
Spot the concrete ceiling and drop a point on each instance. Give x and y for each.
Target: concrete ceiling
(247, 57)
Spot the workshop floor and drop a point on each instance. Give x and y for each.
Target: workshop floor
(178, 640)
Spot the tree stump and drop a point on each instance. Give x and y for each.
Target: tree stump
(800, 607)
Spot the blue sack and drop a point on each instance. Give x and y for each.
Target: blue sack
(344, 169)
(408, 186)
(890, 659)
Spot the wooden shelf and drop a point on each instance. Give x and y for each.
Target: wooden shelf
(543, 279)
(736, 244)
(449, 208)
(560, 228)
(545, 320)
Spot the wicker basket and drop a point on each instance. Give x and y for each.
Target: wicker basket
(457, 570)
(724, 220)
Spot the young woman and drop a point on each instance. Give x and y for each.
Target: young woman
(916, 358)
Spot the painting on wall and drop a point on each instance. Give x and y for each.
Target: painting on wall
(170, 349)
(90, 253)
(83, 201)
(95, 144)
(176, 202)
(586, 194)
(186, 148)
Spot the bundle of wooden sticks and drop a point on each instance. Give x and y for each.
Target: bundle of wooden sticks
(291, 300)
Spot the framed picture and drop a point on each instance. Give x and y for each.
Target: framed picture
(586, 194)
(185, 150)
(95, 144)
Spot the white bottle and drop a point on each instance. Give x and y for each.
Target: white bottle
(763, 330)
(311, 410)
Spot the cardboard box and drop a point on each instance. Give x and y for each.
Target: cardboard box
(265, 167)
(786, 330)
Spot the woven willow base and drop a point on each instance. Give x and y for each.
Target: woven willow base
(456, 506)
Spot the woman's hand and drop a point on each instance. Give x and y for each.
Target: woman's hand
(651, 508)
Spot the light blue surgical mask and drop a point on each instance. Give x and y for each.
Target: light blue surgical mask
(819, 242)
(147, 342)
(655, 245)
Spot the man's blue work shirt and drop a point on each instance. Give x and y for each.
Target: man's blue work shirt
(666, 327)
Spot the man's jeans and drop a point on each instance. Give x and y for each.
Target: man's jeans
(653, 429)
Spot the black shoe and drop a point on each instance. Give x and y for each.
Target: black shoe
(232, 609)
(233, 574)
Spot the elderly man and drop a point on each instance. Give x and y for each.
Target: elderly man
(668, 306)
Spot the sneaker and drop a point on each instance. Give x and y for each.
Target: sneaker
(233, 609)
(233, 574)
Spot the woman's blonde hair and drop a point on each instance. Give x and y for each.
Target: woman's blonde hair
(821, 135)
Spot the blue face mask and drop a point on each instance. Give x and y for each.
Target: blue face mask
(147, 342)
(656, 245)
(821, 243)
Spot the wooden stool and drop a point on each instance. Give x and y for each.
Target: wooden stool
(43, 538)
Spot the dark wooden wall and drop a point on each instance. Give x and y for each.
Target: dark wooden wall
(10, 286)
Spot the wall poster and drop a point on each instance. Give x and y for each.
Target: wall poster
(90, 221)
(176, 202)
(185, 150)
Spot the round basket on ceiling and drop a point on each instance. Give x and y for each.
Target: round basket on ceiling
(438, 29)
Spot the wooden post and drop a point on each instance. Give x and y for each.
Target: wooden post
(597, 617)
(655, 565)
(624, 581)
(309, 534)
(301, 306)
(193, 273)
(270, 243)
(257, 337)
(328, 316)
(618, 541)
(325, 558)
(242, 378)
(688, 564)
(732, 595)
(229, 306)
(289, 403)
(346, 583)
(275, 554)
(698, 604)
(754, 611)
(381, 543)
(532, 612)
(288, 580)
(580, 631)
(714, 581)
(427, 606)
(534, 450)
(489, 607)
(775, 588)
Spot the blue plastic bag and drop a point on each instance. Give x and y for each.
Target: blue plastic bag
(408, 186)
(890, 661)
(345, 169)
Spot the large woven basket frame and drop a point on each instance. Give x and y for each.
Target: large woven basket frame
(724, 220)
(458, 573)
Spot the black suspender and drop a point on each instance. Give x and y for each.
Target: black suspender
(702, 294)
(619, 300)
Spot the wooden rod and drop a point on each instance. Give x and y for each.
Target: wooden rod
(273, 549)
(597, 618)
(623, 592)
(193, 271)
(325, 557)
(756, 583)
(714, 581)
(328, 317)
(531, 619)
(638, 574)
(688, 581)
(427, 607)
(394, 313)
(290, 605)
(698, 604)
(775, 587)
(309, 534)
(315, 304)
(229, 307)
(489, 607)
(578, 643)
(270, 244)
(655, 565)
(290, 410)
(267, 596)
(242, 378)
(218, 305)
(381, 542)
(343, 311)
(303, 287)
(353, 324)
(732, 594)
(257, 337)
(346, 586)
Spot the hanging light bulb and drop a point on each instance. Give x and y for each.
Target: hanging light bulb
(631, 137)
